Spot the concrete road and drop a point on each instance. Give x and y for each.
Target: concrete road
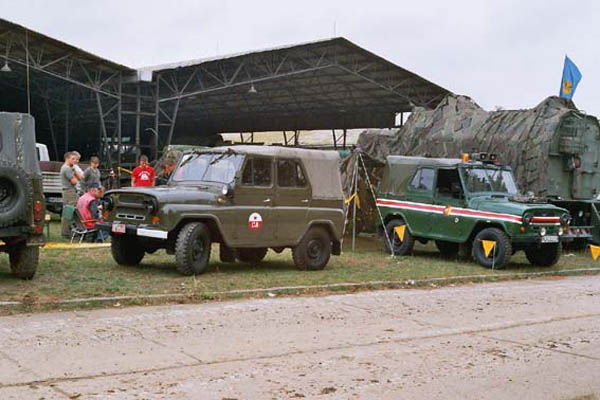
(527, 339)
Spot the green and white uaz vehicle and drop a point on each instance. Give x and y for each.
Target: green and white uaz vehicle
(468, 208)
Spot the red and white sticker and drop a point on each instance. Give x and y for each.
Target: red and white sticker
(255, 221)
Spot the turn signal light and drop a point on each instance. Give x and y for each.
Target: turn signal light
(105, 215)
(466, 158)
(155, 219)
(38, 207)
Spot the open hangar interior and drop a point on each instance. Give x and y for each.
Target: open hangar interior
(87, 103)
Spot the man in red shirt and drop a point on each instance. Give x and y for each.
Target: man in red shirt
(143, 174)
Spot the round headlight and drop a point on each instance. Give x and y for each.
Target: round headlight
(225, 190)
(527, 219)
(560, 231)
(543, 232)
(565, 219)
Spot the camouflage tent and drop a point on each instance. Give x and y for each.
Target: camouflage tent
(542, 144)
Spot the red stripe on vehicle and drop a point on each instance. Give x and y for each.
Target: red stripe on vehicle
(545, 220)
(454, 211)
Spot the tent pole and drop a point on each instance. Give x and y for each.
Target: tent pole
(355, 191)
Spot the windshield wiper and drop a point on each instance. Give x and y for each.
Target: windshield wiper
(228, 153)
(194, 155)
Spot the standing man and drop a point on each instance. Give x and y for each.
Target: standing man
(68, 181)
(143, 174)
(92, 173)
(168, 168)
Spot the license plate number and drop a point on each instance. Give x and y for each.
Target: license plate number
(118, 228)
(549, 239)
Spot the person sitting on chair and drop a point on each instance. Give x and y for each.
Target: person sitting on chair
(89, 208)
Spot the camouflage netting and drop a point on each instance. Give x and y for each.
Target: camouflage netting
(458, 125)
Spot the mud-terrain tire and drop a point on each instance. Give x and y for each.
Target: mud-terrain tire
(16, 193)
(24, 261)
(126, 250)
(499, 256)
(546, 255)
(192, 249)
(447, 249)
(314, 250)
(226, 253)
(399, 248)
(252, 255)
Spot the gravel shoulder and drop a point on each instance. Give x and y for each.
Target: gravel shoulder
(525, 339)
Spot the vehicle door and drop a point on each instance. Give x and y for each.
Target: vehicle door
(419, 209)
(253, 204)
(450, 195)
(292, 200)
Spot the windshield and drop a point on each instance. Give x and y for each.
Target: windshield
(208, 167)
(490, 180)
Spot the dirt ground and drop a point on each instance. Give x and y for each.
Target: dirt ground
(526, 339)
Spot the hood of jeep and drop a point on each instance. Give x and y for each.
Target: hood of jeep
(171, 194)
(505, 206)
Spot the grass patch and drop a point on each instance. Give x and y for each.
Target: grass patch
(70, 274)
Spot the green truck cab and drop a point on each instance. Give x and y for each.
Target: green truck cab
(466, 206)
(22, 205)
(246, 198)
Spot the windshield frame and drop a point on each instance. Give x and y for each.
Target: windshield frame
(216, 157)
(464, 177)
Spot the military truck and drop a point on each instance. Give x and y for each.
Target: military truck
(553, 148)
(246, 198)
(22, 209)
(468, 207)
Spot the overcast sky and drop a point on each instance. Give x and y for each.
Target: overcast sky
(502, 53)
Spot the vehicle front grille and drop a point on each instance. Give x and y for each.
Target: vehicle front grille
(130, 216)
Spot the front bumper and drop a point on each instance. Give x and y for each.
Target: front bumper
(135, 230)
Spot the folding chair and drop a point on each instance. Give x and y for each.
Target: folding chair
(78, 227)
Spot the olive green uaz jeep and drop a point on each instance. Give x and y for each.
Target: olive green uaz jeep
(246, 198)
(467, 207)
(22, 209)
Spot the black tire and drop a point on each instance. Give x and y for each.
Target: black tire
(544, 255)
(314, 250)
(126, 250)
(501, 253)
(226, 253)
(192, 249)
(400, 248)
(447, 249)
(16, 193)
(252, 255)
(24, 261)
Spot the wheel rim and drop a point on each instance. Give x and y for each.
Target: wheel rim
(7, 192)
(314, 249)
(197, 249)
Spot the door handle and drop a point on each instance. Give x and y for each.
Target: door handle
(266, 200)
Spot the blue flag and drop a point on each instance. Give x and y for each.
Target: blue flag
(570, 79)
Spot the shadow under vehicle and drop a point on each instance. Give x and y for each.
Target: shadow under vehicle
(22, 208)
(246, 198)
(468, 208)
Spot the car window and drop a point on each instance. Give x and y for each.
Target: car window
(423, 179)
(289, 174)
(448, 183)
(257, 172)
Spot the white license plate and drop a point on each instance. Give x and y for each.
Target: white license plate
(118, 228)
(549, 239)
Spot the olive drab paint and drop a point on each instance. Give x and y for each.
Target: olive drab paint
(272, 197)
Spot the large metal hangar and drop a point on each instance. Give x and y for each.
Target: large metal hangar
(85, 102)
